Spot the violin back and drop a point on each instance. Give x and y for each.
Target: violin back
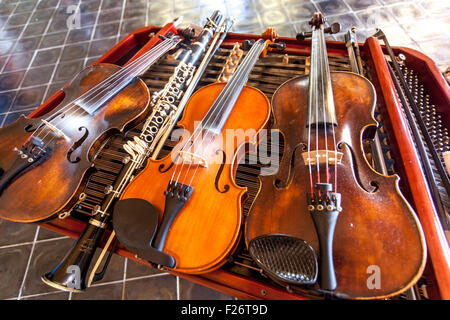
(379, 248)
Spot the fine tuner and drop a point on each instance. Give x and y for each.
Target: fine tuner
(334, 28)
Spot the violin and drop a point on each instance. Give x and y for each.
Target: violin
(46, 160)
(184, 211)
(326, 222)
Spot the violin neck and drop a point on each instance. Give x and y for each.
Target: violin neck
(108, 88)
(321, 108)
(218, 114)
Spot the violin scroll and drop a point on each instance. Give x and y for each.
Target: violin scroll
(270, 36)
(316, 21)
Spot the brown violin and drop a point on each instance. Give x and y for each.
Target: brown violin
(184, 211)
(326, 222)
(46, 159)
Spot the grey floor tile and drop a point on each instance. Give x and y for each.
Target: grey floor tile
(47, 56)
(301, 11)
(45, 234)
(53, 39)
(106, 30)
(67, 70)
(11, 117)
(11, 80)
(16, 233)
(28, 98)
(11, 33)
(155, 288)
(37, 76)
(13, 263)
(46, 255)
(18, 61)
(362, 4)
(42, 15)
(192, 291)
(406, 12)
(331, 7)
(136, 269)
(377, 17)
(104, 292)
(75, 51)
(79, 35)
(35, 29)
(6, 98)
(48, 296)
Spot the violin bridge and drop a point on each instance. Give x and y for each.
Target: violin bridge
(311, 157)
(192, 158)
(56, 130)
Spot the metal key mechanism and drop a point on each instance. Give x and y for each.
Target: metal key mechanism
(285, 258)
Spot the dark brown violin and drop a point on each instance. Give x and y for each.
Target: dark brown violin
(45, 160)
(326, 215)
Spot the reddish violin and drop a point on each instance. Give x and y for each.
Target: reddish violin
(326, 215)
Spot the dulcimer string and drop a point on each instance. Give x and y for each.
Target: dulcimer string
(123, 73)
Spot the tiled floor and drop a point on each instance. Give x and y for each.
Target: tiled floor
(39, 54)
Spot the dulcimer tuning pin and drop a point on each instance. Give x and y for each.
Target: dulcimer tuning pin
(247, 44)
(303, 35)
(280, 46)
(334, 28)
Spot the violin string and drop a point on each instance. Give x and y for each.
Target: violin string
(319, 73)
(117, 75)
(239, 74)
(222, 97)
(312, 100)
(324, 70)
(244, 69)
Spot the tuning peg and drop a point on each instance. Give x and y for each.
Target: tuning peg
(188, 34)
(247, 44)
(334, 28)
(303, 35)
(280, 46)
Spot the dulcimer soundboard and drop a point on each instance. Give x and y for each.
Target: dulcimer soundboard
(240, 276)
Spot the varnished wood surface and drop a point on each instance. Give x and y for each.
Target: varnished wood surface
(52, 185)
(438, 247)
(375, 228)
(206, 229)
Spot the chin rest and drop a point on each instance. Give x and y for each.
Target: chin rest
(135, 222)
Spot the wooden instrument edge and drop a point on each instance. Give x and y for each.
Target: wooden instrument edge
(436, 241)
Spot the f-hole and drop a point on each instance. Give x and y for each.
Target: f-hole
(76, 145)
(161, 167)
(219, 173)
(279, 184)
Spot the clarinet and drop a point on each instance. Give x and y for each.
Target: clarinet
(70, 273)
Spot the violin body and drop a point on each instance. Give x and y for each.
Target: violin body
(53, 185)
(206, 230)
(376, 226)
